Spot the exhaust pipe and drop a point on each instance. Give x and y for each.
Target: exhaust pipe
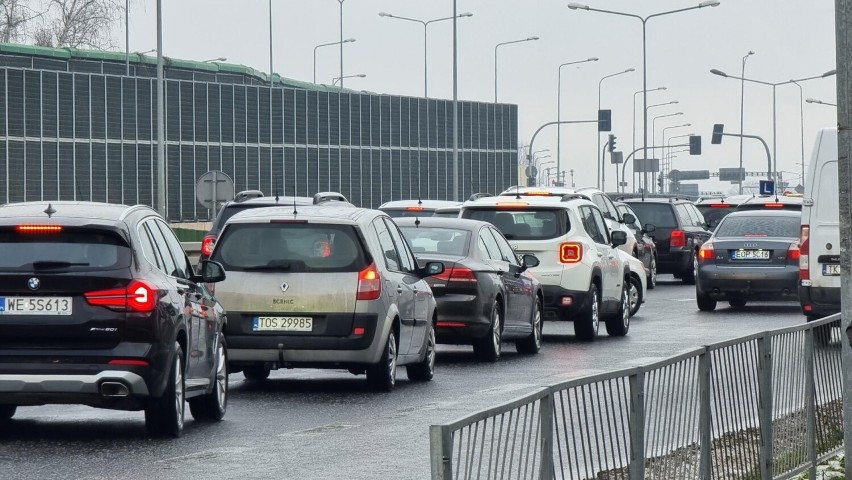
(114, 389)
(716, 291)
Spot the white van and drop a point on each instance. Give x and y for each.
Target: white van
(819, 263)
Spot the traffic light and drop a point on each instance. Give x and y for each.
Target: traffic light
(604, 120)
(695, 144)
(717, 134)
(611, 143)
(660, 183)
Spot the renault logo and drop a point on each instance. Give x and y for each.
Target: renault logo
(284, 286)
(33, 283)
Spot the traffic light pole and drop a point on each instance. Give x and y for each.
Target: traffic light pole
(627, 159)
(603, 159)
(765, 146)
(561, 122)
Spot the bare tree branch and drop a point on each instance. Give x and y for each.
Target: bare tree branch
(79, 23)
(15, 15)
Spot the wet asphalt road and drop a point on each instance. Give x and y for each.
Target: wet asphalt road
(316, 424)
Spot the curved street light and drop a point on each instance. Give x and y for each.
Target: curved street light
(601, 173)
(336, 79)
(348, 40)
(559, 106)
(528, 39)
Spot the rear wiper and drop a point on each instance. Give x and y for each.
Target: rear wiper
(50, 264)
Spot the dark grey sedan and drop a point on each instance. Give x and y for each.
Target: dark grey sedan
(485, 295)
(752, 255)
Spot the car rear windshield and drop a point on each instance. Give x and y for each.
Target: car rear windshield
(526, 224)
(290, 247)
(713, 215)
(404, 212)
(759, 226)
(443, 241)
(65, 250)
(660, 215)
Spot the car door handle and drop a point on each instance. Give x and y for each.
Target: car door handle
(399, 289)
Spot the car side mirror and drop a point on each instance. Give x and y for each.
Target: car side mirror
(628, 218)
(432, 268)
(618, 238)
(529, 261)
(212, 272)
(649, 228)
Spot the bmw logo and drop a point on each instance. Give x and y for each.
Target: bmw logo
(284, 286)
(33, 283)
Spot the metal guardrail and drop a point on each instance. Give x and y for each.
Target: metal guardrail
(763, 406)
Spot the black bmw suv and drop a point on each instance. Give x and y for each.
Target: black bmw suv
(679, 232)
(100, 306)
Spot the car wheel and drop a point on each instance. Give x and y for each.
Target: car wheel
(7, 411)
(652, 277)
(212, 406)
(634, 286)
(688, 276)
(705, 303)
(256, 373)
(737, 302)
(166, 414)
(532, 343)
(424, 370)
(586, 324)
(489, 347)
(619, 324)
(382, 376)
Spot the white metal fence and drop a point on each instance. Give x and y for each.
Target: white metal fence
(763, 406)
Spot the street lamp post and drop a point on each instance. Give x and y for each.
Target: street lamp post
(669, 147)
(127, 36)
(217, 59)
(801, 125)
(528, 39)
(654, 141)
(742, 112)
(644, 177)
(348, 40)
(774, 105)
(425, 24)
(341, 43)
(644, 20)
(559, 106)
(601, 170)
(819, 102)
(340, 79)
(663, 168)
(633, 141)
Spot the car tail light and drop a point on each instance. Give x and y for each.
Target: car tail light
(39, 228)
(678, 239)
(707, 252)
(358, 331)
(207, 245)
(793, 252)
(129, 362)
(457, 274)
(451, 325)
(774, 205)
(510, 205)
(139, 296)
(571, 252)
(804, 247)
(719, 205)
(369, 284)
(415, 209)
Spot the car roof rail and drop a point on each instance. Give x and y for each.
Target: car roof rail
(573, 196)
(477, 196)
(247, 194)
(322, 197)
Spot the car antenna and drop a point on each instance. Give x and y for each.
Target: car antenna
(417, 222)
(49, 210)
(517, 192)
(276, 194)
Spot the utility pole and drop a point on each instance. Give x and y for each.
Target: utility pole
(161, 118)
(843, 18)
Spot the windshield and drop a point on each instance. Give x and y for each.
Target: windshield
(290, 247)
(404, 212)
(759, 226)
(660, 215)
(528, 224)
(442, 241)
(713, 215)
(66, 250)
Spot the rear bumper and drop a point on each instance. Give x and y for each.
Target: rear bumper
(759, 283)
(674, 261)
(462, 318)
(28, 389)
(554, 309)
(819, 301)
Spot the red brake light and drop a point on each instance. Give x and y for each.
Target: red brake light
(130, 363)
(804, 247)
(537, 193)
(793, 253)
(207, 244)
(39, 228)
(139, 296)
(707, 251)
(508, 205)
(369, 284)
(415, 209)
(457, 274)
(719, 205)
(774, 205)
(571, 252)
(678, 238)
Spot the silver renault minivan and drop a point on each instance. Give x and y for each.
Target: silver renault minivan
(325, 287)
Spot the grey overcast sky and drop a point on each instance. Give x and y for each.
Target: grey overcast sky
(791, 38)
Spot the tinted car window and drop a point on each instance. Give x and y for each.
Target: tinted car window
(402, 213)
(505, 249)
(712, 215)
(183, 268)
(660, 215)
(491, 244)
(444, 241)
(529, 224)
(66, 250)
(759, 226)
(388, 248)
(405, 260)
(291, 247)
(591, 225)
(683, 213)
(169, 266)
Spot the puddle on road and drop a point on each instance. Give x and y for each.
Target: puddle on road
(320, 430)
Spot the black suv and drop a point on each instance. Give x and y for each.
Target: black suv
(100, 306)
(255, 199)
(679, 231)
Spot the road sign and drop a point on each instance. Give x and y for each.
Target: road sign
(531, 171)
(213, 188)
(767, 187)
(617, 157)
(689, 189)
(693, 175)
(622, 184)
(649, 165)
(733, 175)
